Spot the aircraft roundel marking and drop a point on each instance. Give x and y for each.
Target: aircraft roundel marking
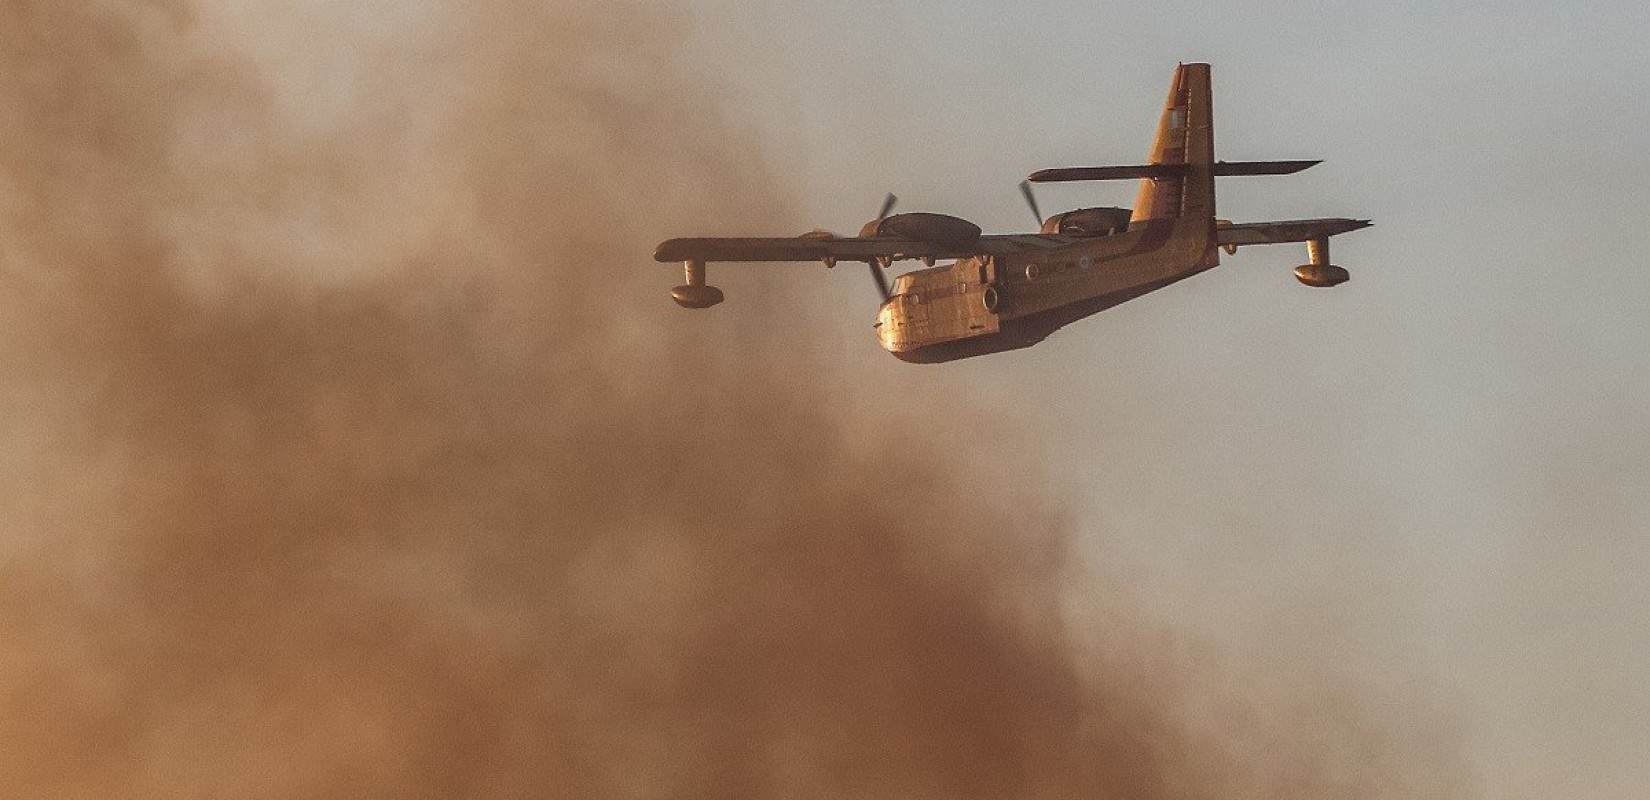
(1083, 262)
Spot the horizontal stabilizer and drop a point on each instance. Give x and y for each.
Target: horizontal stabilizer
(1220, 169)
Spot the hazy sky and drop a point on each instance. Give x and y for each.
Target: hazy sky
(347, 445)
(1432, 478)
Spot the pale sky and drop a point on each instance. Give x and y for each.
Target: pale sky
(1434, 475)
(1426, 487)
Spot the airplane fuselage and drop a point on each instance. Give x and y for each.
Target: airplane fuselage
(988, 304)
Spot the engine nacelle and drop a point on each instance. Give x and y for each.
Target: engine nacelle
(1321, 276)
(1089, 222)
(924, 227)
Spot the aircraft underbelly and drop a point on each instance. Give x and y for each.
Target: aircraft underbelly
(942, 316)
(1025, 331)
(1058, 289)
(1066, 282)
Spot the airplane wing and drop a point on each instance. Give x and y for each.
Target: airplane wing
(876, 251)
(872, 248)
(853, 248)
(1300, 230)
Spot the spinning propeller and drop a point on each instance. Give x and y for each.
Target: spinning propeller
(878, 265)
(1031, 200)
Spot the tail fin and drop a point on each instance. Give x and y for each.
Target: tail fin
(1185, 136)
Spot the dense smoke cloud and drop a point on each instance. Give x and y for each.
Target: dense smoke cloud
(352, 450)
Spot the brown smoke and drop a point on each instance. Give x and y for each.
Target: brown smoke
(353, 450)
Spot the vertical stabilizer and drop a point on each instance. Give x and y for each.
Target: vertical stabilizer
(1185, 135)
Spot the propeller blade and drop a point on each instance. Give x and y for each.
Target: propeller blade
(875, 264)
(1031, 200)
(887, 206)
(881, 280)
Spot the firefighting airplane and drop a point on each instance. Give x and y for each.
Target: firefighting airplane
(1008, 291)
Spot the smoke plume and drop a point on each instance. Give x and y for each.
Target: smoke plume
(352, 449)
